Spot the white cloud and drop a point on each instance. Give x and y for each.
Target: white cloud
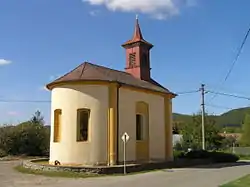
(94, 12)
(4, 62)
(43, 88)
(159, 9)
(13, 113)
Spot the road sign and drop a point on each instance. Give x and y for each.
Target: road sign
(125, 137)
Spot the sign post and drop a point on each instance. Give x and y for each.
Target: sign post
(125, 138)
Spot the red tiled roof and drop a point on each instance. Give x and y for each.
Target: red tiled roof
(92, 72)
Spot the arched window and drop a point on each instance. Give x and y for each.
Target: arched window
(83, 125)
(139, 127)
(132, 60)
(142, 119)
(57, 124)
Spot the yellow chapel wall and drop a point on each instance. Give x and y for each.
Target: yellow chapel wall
(69, 98)
(127, 111)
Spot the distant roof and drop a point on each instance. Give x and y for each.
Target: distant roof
(236, 135)
(92, 72)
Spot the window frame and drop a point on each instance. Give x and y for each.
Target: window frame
(142, 136)
(58, 120)
(78, 126)
(132, 59)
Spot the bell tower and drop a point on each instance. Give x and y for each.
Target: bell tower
(138, 55)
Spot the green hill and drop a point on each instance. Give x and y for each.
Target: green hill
(233, 117)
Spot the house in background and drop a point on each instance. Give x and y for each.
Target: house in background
(177, 138)
(92, 106)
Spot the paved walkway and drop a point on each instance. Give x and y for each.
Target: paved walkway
(188, 177)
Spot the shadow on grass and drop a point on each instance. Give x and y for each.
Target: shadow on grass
(221, 165)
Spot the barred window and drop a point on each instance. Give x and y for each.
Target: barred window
(83, 124)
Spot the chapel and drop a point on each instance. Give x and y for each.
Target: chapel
(93, 106)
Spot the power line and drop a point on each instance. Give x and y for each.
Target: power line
(187, 92)
(230, 95)
(218, 106)
(238, 54)
(23, 101)
(224, 89)
(234, 62)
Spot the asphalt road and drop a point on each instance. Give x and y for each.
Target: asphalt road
(211, 176)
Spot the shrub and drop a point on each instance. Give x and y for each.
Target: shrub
(178, 146)
(217, 157)
(2, 153)
(25, 139)
(179, 154)
(197, 154)
(223, 157)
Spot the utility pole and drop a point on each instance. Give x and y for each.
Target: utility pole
(202, 89)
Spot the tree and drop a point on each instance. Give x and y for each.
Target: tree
(27, 138)
(232, 129)
(37, 118)
(245, 138)
(192, 134)
(177, 126)
(229, 141)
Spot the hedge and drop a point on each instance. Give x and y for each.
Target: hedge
(214, 156)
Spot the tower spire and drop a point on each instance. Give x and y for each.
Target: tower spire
(137, 33)
(138, 54)
(137, 36)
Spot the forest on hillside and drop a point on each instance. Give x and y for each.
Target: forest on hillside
(231, 120)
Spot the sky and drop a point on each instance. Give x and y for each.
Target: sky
(195, 41)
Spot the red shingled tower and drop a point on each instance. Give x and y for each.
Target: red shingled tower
(138, 55)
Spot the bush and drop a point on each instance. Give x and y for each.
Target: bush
(197, 154)
(28, 138)
(178, 146)
(179, 154)
(223, 157)
(217, 157)
(2, 153)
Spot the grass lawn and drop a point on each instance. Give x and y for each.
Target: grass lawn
(244, 157)
(242, 182)
(69, 174)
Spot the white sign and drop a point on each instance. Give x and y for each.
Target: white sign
(125, 137)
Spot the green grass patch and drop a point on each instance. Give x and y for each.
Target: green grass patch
(244, 157)
(68, 174)
(65, 174)
(42, 162)
(241, 182)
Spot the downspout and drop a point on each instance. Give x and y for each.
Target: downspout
(117, 118)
